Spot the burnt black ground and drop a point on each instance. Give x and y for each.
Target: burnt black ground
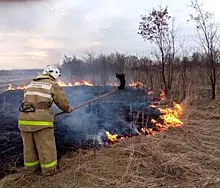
(83, 128)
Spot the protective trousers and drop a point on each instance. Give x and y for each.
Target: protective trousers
(40, 150)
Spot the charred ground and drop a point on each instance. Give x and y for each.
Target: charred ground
(85, 128)
(186, 156)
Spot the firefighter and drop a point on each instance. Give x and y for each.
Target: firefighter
(36, 121)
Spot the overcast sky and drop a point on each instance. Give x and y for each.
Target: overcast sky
(40, 32)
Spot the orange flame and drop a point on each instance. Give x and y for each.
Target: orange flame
(61, 83)
(87, 83)
(80, 83)
(136, 84)
(170, 117)
(10, 87)
(112, 137)
(76, 83)
(17, 88)
(162, 95)
(110, 84)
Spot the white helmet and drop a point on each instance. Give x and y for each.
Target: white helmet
(52, 70)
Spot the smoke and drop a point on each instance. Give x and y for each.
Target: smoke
(87, 125)
(91, 122)
(84, 123)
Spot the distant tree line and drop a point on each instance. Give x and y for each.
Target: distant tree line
(101, 69)
(173, 70)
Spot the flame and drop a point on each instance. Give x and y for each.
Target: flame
(162, 95)
(153, 121)
(20, 87)
(170, 117)
(136, 84)
(110, 84)
(112, 137)
(76, 83)
(10, 88)
(87, 83)
(61, 83)
(148, 131)
(83, 82)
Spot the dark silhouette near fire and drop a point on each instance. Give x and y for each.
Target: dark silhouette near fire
(121, 77)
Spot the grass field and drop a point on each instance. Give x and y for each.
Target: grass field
(187, 156)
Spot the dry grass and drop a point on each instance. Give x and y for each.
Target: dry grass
(187, 156)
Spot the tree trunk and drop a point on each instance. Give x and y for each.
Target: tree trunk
(213, 90)
(213, 76)
(164, 83)
(151, 83)
(213, 83)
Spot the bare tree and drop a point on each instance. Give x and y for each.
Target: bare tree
(66, 67)
(118, 61)
(132, 63)
(155, 28)
(73, 67)
(146, 67)
(207, 32)
(173, 49)
(90, 60)
(102, 67)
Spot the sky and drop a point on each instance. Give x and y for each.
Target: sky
(36, 33)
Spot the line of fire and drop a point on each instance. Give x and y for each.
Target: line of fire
(147, 121)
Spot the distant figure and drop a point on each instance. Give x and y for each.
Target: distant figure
(36, 121)
(121, 77)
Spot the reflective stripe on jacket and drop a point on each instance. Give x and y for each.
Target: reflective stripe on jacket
(42, 89)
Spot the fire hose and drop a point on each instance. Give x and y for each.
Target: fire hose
(121, 78)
